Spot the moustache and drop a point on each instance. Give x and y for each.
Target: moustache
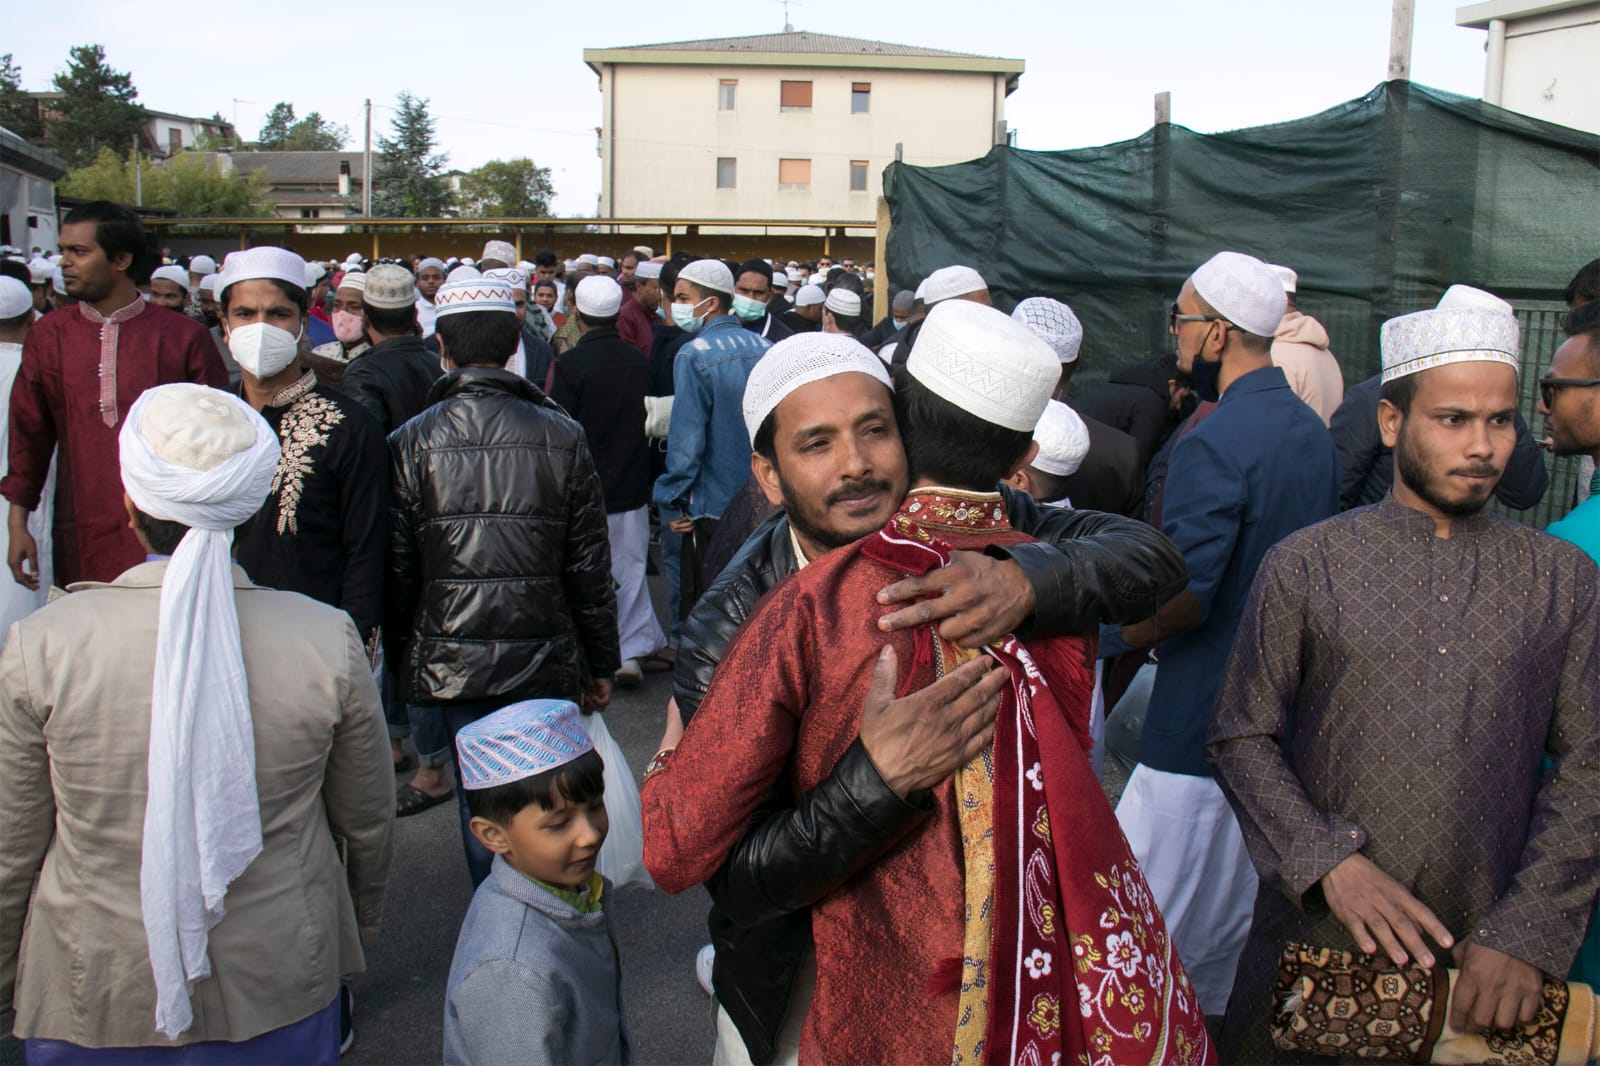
(857, 491)
(1476, 471)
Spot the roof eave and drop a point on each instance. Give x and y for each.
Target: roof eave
(845, 60)
(1478, 16)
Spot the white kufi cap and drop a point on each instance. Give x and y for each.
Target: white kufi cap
(951, 281)
(1464, 296)
(15, 299)
(708, 274)
(265, 262)
(800, 360)
(510, 275)
(390, 287)
(1426, 339)
(1063, 440)
(500, 251)
(1243, 290)
(473, 294)
(981, 361)
(599, 296)
(202, 264)
(647, 271)
(175, 274)
(1290, 280)
(605, 261)
(843, 302)
(1052, 322)
(354, 279)
(464, 272)
(810, 296)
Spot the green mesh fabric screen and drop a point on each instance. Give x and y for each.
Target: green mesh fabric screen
(1379, 204)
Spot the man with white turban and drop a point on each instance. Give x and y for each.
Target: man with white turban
(203, 841)
(1259, 468)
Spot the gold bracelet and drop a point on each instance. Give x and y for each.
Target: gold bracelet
(657, 763)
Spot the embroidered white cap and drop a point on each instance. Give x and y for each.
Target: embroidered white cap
(981, 361)
(473, 294)
(1063, 440)
(354, 279)
(389, 287)
(500, 251)
(510, 275)
(1442, 335)
(843, 302)
(1465, 296)
(263, 262)
(1243, 290)
(1052, 322)
(800, 360)
(710, 274)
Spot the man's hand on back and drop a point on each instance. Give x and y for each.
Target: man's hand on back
(976, 600)
(920, 740)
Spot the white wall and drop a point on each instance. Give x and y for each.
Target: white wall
(1558, 54)
(667, 134)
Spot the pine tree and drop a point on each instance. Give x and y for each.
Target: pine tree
(17, 112)
(409, 182)
(97, 109)
(276, 129)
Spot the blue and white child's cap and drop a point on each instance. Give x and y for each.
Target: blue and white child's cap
(520, 741)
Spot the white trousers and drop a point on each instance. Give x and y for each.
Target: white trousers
(730, 1050)
(1188, 843)
(637, 628)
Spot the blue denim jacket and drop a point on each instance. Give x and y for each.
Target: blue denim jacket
(708, 447)
(1262, 466)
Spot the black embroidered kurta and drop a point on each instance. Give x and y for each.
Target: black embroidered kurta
(1395, 693)
(324, 528)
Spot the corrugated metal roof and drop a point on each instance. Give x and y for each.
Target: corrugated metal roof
(799, 41)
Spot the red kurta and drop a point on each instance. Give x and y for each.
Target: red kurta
(788, 698)
(58, 405)
(633, 323)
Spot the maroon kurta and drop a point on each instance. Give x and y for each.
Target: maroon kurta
(57, 402)
(633, 323)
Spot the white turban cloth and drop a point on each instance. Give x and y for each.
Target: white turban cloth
(197, 462)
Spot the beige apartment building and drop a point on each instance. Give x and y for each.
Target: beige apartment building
(790, 126)
(1540, 57)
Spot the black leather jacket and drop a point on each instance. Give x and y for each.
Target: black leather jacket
(500, 563)
(1089, 568)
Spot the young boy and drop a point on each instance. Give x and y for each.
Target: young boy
(536, 976)
(1063, 442)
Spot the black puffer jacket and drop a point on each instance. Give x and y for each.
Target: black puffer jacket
(1090, 568)
(500, 566)
(392, 380)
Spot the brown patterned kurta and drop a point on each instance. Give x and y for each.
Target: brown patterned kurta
(1395, 693)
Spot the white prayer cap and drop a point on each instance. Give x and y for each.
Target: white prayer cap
(1460, 296)
(39, 270)
(202, 264)
(981, 361)
(389, 287)
(500, 251)
(262, 263)
(644, 251)
(1426, 339)
(510, 275)
(647, 271)
(951, 281)
(58, 282)
(571, 264)
(474, 294)
(1063, 440)
(525, 266)
(431, 261)
(175, 274)
(1052, 322)
(843, 302)
(353, 257)
(800, 360)
(469, 261)
(1243, 290)
(810, 296)
(353, 279)
(708, 274)
(921, 292)
(209, 283)
(780, 280)
(589, 259)
(599, 296)
(605, 261)
(793, 274)
(15, 299)
(1291, 280)
(464, 272)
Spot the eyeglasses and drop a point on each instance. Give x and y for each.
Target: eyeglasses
(1174, 316)
(1548, 386)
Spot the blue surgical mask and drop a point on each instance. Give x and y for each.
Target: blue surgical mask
(899, 323)
(749, 310)
(683, 317)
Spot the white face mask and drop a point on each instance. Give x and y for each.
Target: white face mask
(263, 350)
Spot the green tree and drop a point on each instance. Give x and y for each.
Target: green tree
(315, 134)
(506, 188)
(409, 182)
(97, 109)
(190, 183)
(276, 129)
(17, 112)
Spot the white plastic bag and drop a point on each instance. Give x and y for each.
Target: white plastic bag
(622, 855)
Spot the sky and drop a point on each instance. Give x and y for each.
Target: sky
(513, 83)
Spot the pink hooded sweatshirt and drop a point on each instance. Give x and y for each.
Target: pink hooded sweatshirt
(1300, 348)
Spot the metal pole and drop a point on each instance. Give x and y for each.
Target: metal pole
(366, 168)
(1401, 21)
(883, 290)
(1494, 70)
(138, 175)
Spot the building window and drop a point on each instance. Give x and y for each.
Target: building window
(794, 175)
(858, 175)
(727, 173)
(727, 94)
(174, 141)
(311, 212)
(794, 96)
(860, 97)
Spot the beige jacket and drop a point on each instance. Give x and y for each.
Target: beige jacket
(1301, 349)
(75, 682)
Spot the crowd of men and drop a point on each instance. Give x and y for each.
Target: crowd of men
(921, 590)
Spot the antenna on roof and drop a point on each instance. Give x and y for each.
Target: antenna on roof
(787, 26)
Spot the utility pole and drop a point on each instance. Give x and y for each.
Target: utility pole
(1400, 23)
(367, 165)
(138, 175)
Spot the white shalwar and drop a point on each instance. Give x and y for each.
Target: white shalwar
(637, 627)
(17, 602)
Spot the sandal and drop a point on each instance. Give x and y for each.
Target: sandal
(405, 764)
(658, 662)
(409, 800)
